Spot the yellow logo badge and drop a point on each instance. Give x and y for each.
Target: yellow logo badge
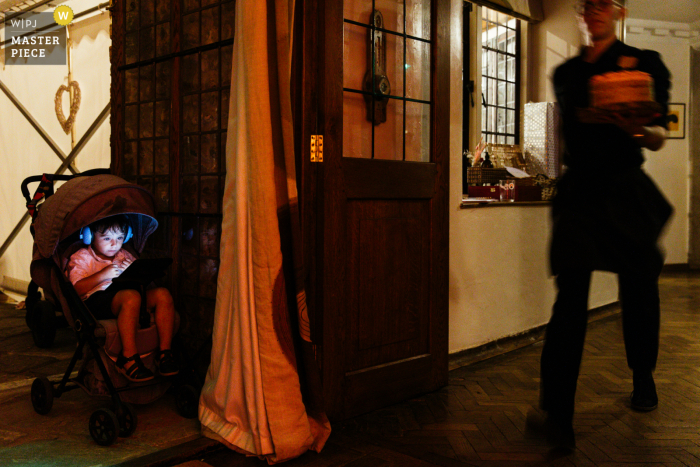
(63, 15)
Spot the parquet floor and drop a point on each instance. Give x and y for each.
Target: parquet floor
(479, 418)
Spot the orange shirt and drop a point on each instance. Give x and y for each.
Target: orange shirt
(84, 263)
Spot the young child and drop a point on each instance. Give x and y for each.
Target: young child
(91, 270)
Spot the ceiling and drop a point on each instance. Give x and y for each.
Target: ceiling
(675, 11)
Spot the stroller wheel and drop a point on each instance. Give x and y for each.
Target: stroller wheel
(127, 419)
(42, 395)
(44, 329)
(187, 401)
(104, 427)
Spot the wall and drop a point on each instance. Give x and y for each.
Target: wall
(670, 167)
(552, 41)
(22, 151)
(499, 277)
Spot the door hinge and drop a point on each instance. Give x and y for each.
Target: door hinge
(316, 148)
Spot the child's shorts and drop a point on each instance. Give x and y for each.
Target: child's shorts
(100, 302)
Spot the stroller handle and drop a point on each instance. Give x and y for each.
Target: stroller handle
(38, 178)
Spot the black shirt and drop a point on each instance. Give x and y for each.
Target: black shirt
(604, 147)
(607, 214)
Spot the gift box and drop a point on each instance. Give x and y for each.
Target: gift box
(541, 138)
(528, 193)
(480, 175)
(485, 192)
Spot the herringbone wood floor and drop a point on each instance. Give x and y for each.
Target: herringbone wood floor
(479, 418)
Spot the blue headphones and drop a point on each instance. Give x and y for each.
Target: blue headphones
(86, 235)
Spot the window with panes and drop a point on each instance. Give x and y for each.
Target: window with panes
(500, 77)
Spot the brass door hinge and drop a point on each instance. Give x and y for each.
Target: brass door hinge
(316, 148)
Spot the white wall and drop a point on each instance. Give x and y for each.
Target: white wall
(552, 41)
(670, 166)
(22, 151)
(499, 274)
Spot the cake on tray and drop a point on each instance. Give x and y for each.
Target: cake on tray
(621, 90)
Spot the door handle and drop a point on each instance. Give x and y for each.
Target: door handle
(377, 85)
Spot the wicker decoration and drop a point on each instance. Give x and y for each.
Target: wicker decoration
(506, 155)
(549, 186)
(66, 124)
(526, 181)
(482, 176)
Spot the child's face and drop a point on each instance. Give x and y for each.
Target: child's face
(106, 244)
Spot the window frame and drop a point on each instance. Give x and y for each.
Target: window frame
(490, 99)
(473, 102)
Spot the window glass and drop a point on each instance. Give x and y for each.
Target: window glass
(500, 59)
(387, 79)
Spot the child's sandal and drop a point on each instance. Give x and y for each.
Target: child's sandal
(166, 363)
(137, 372)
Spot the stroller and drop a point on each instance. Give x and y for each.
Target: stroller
(56, 227)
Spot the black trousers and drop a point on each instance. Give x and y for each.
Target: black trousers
(566, 332)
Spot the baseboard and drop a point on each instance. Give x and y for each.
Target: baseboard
(676, 267)
(510, 343)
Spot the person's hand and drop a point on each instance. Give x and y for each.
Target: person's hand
(632, 123)
(636, 126)
(112, 271)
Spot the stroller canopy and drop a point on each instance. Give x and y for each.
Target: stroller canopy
(84, 200)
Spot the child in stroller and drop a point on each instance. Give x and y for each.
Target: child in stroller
(91, 270)
(57, 223)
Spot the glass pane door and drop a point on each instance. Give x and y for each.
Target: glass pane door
(386, 80)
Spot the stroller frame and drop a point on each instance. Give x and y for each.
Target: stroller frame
(120, 419)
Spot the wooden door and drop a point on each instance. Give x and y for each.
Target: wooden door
(380, 224)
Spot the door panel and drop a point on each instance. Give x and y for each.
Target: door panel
(378, 179)
(372, 388)
(388, 265)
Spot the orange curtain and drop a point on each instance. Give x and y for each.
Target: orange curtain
(253, 399)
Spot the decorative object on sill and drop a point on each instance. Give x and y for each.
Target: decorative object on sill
(527, 189)
(477, 153)
(517, 173)
(548, 185)
(73, 90)
(541, 138)
(467, 158)
(491, 191)
(507, 155)
(485, 176)
(466, 164)
(486, 162)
